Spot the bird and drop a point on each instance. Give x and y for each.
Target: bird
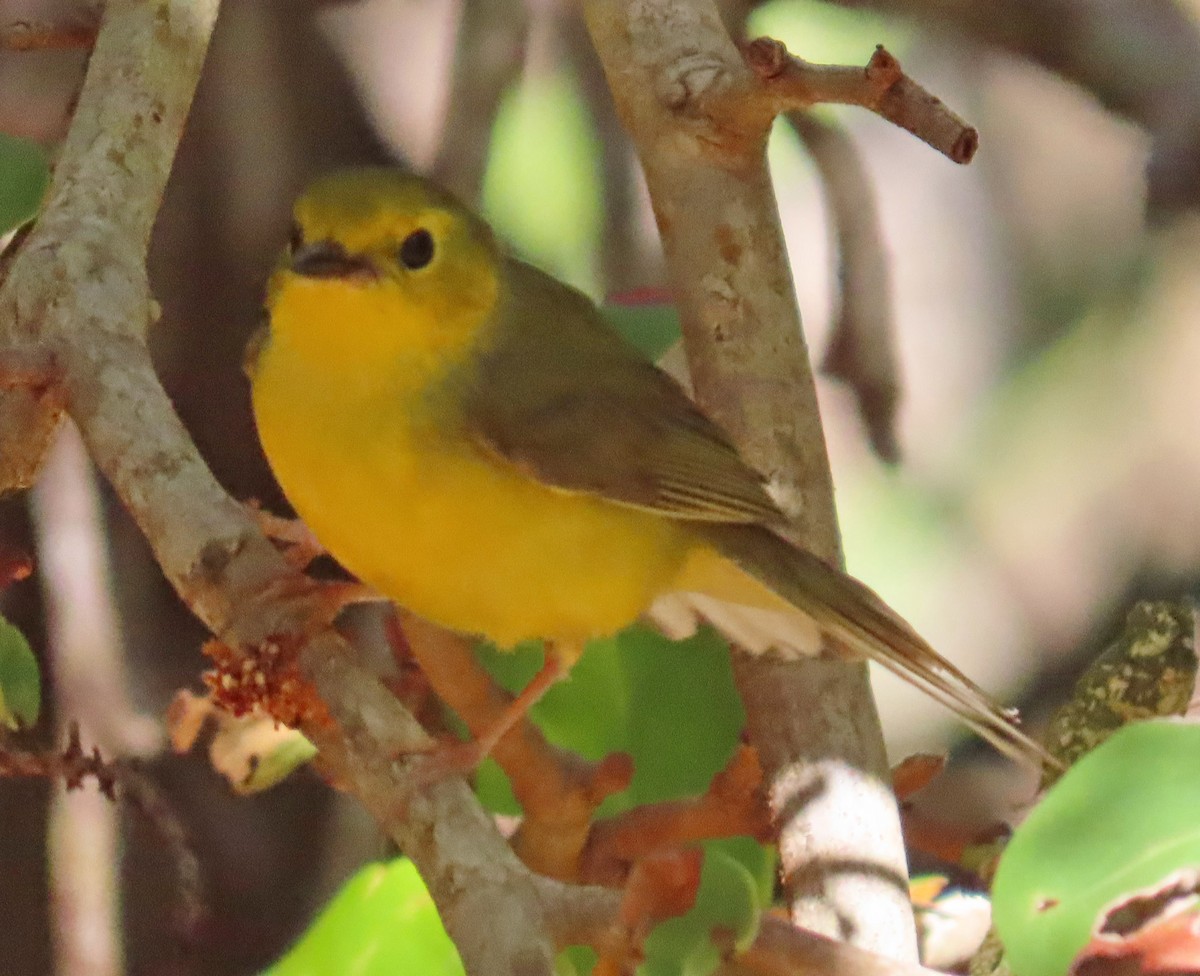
(470, 438)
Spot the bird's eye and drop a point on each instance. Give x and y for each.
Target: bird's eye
(416, 250)
(295, 237)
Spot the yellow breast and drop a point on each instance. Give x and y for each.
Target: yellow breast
(444, 528)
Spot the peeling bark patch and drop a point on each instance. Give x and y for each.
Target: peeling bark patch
(690, 80)
(158, 464)
(215, 558)
(728, 246)
(719, 289)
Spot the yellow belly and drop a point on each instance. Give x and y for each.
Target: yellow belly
(452, 533)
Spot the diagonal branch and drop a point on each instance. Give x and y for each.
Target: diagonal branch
(77, 295)
(591, 916)
(700, 119)
(103, 198)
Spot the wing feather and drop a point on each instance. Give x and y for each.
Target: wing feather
(596, 417)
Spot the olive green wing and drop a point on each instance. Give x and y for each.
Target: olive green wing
(565, 398)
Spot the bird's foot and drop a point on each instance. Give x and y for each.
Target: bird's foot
(296, 540)
(448, 758)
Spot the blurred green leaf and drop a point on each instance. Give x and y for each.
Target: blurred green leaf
(817, 31)
(1121, 819)
(384, 923)
(725, 917)
(24, 176)
(542, 186)
(652, 327)
(672, 705)
(381, 923)
(684, 713)
(20, 679)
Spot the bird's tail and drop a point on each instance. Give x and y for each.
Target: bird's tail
(855, 617)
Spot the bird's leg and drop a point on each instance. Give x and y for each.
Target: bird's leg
(557, 666)
(464, 757)
(298, 544)
(300, 547)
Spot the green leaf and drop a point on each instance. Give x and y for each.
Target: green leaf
(652, 327)
(542, 186)
(684, 714)
(672, 705)
(1121, 819)
(820, 32)
(24, 176)
(381, 923)
(20, 679)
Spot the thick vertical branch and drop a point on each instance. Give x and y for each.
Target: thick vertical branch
(700, 124)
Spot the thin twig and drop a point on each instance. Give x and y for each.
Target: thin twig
(1140, 60)
(116, 779)
(862, 347)
(733, 805)
(661, 885)
(790, 83)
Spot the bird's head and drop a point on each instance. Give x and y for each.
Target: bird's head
(383, 264)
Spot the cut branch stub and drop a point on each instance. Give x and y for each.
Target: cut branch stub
(790, 83)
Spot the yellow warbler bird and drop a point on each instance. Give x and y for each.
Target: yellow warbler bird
(469, 437)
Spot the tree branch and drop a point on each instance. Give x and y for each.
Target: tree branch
(77, 293)
(700, 120)
(104, 197)
(790, 83)
(591, 916)
(1140, 58)
(488, 56)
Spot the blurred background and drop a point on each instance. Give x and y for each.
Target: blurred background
(1047, 304)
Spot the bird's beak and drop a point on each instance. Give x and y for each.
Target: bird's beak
(328, 259)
